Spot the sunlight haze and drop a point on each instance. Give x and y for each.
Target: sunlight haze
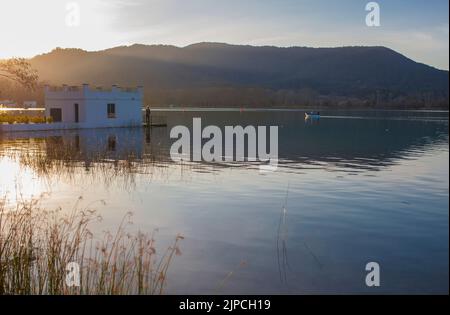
(410, 27)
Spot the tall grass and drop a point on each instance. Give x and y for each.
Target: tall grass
(37, 246)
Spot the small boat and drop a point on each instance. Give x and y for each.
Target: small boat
(312, 115)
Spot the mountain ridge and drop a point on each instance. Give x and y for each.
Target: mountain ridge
(356, 73)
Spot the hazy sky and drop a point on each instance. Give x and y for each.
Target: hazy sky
(417, 28)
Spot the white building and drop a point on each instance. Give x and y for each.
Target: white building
(29, 104)
(7, 103)
(84, 107)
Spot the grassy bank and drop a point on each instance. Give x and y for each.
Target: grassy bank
(38, 248)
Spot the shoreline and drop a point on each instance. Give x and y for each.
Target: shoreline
(237, 109)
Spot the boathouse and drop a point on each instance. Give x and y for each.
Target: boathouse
(86, 107)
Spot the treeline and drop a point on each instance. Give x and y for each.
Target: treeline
(254, 97)
(302, 98)
(10, 90)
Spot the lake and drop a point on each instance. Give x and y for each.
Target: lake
(352, 188)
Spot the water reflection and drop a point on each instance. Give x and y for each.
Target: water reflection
(335, 144)
(315, 238)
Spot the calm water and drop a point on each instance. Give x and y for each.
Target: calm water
(357, 187)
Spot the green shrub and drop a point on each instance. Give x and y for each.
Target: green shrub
(23, 119)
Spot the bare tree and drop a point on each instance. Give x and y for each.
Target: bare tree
(20, 71)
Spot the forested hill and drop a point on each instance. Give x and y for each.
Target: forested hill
(213, 74)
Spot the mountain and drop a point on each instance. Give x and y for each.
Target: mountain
(214, 74)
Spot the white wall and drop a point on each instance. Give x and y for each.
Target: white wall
(64, 98)
(29, 104)
(93, 106)
(35, 127)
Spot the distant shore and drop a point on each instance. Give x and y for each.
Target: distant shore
(237, 109)
(252, 109)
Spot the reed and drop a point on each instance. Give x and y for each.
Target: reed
(53, 159)
(37, 246)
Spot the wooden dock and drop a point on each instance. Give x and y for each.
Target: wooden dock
(154, 125)
(156, 121)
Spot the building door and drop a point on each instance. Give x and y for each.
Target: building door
(56, 114)
(77, 117)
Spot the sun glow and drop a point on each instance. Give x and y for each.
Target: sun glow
(18, 182)
(419, 30)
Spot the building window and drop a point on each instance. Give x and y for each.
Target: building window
(111, 110)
